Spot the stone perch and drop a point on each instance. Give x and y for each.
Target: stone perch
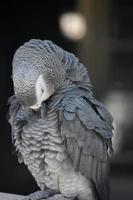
(7, 196)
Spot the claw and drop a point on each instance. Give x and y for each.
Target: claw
(39, 195)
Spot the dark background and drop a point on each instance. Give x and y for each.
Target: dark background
(107, 51)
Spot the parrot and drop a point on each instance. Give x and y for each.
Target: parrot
(59, 130)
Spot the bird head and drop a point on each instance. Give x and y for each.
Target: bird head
(37, 73)
(40, 68)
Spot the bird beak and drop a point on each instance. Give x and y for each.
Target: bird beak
(35, 107)
(43, 110)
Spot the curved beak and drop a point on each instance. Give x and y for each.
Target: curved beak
(35, 107)
(42, 108)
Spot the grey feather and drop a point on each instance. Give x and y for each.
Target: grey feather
(16, 127)
(93, 125)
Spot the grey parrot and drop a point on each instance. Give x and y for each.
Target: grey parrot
(59, 130)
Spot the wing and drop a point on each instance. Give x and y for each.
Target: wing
(86, 125)
(17, 118)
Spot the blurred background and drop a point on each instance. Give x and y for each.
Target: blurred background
(100, 33)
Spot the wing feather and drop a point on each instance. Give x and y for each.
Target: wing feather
(87, 136)
(17, 118)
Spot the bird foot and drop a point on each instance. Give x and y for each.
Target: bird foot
(59, 197)
(38, 195)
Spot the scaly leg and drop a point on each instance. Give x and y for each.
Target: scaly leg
(40, 195)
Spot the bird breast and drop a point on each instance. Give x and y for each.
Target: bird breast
(43, 149)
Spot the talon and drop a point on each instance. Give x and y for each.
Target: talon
(39, 195)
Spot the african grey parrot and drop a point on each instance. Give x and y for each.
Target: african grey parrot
(60, 131)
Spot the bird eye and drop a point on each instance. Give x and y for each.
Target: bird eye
(42, 90)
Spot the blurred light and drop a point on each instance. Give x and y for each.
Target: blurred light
(73, 25)
(119, 103)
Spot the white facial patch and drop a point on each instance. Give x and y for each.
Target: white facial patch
(41, 92)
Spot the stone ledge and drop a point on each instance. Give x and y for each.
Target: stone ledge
(7, 196)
